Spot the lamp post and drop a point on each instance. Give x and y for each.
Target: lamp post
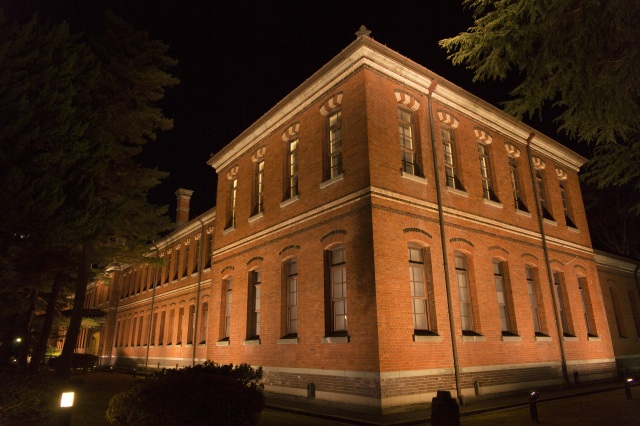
(533, 408)
(66, 407)
(627, 387)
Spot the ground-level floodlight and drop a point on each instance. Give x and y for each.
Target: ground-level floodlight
(66, 406)
(627, 387)
(533, 408)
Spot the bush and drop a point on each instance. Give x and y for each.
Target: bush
(78, 362)
(208, 394)
(27, 396)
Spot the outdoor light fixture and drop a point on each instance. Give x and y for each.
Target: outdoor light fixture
(66, 408)
(67, 399)
(627, 387)
(533, 408)
(18, 339)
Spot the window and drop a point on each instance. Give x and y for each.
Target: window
(485, 173)
(337, 273)
(204, 320)
(633, 300)
(515, 185)
(231, 208)
(503, 299)
(563, 309)
(133, 331)
(180, 325)
(421, 289)
(292, 297)
(176, 266)
(407, 143)
(161, 332)
(226, 300)
(185, 265)
(464, 292)
(140, 328)
(154, 325)
(334, 150)
(190, 325)
(207, 251)
(253, 320)
(258, 188)
(533, 300)
(616, 313)
(565, 204)
(291, 189)
(450, 159)
(172, 317)
(542, 199)
(167, 267)
(587, 312)
(196, 256)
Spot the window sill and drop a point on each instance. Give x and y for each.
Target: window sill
(420, 338)
(256, 217)
(224, 342)
(335, 339)
(543, 338)
(477, 338)
(570, 338)
(291, 200)
(523, 213)
(550, 222)
(251, 342)
(623, 338)
(332, 181)
(572, 229)
(492, 203)
(457, 191)
(287, 341)
(202, 344)
(511, 338)
(593, 338)
(413, 177)
(229, 229)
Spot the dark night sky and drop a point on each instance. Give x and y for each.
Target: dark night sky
(237, 59)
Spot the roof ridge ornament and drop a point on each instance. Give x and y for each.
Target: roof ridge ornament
(363, 31)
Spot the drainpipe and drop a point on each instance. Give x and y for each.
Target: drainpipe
(200, 266)
(445, 262)
(153, 296)
(545, 249)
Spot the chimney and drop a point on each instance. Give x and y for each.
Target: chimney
(183, 197)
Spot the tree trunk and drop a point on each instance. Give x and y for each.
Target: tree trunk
(78, 309)
(23, 352)
(41, 345)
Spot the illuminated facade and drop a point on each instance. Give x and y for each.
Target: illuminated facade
(378, 235)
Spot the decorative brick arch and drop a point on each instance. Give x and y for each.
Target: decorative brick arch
(483, 136)
(538, 163)
(290, 248)
(406, 99)
(227, 268)
(512, 150)
(530, 259)
(259, 154)
(233, 172)
(256, 259)
(417, 230)
(291, 131)
(499, 252)
(330, 104)
(332, 238)
(448, 119)
(562, 175)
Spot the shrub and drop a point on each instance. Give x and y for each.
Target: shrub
(208, 394)
(27, 396)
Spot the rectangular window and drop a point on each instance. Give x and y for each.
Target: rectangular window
(420, 289)
(190, 325)
(453, 180)
(207, 251)
(515, 185)
(172, 317)
(167, 267)
(485, 173)
(258, 188)
(464, 292)
(503, 300)
(587, 311)
(161, 332)
(115, 338)
(140, 328)
(253, 320)
(185, 262)
(176, 266)
(563, 309)
(291, 190)
(335, 144)
(133, 331)
(338, 273)
(617, 314)
(407, 148)
(633, 300)
(565, 205)
(533, 300)
(180, 325)
(231, 208)
(204, 321)
(154, 325)
(228, 288)
(542, 198)
(196, 256)
(292, 297)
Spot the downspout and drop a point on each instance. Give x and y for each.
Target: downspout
(153, 296)
(445, 262)
(545, 249)
(200, 266)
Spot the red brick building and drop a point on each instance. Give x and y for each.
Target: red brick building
(378, 235)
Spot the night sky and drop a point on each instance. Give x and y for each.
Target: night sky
(237, 59)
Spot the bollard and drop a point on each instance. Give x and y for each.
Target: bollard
(533, 408)
(444, 410)
(134, 373)
(66, 408)
(627, 388)
(311, 390)
(576, 378)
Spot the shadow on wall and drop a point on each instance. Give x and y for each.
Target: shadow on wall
(125, 362)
